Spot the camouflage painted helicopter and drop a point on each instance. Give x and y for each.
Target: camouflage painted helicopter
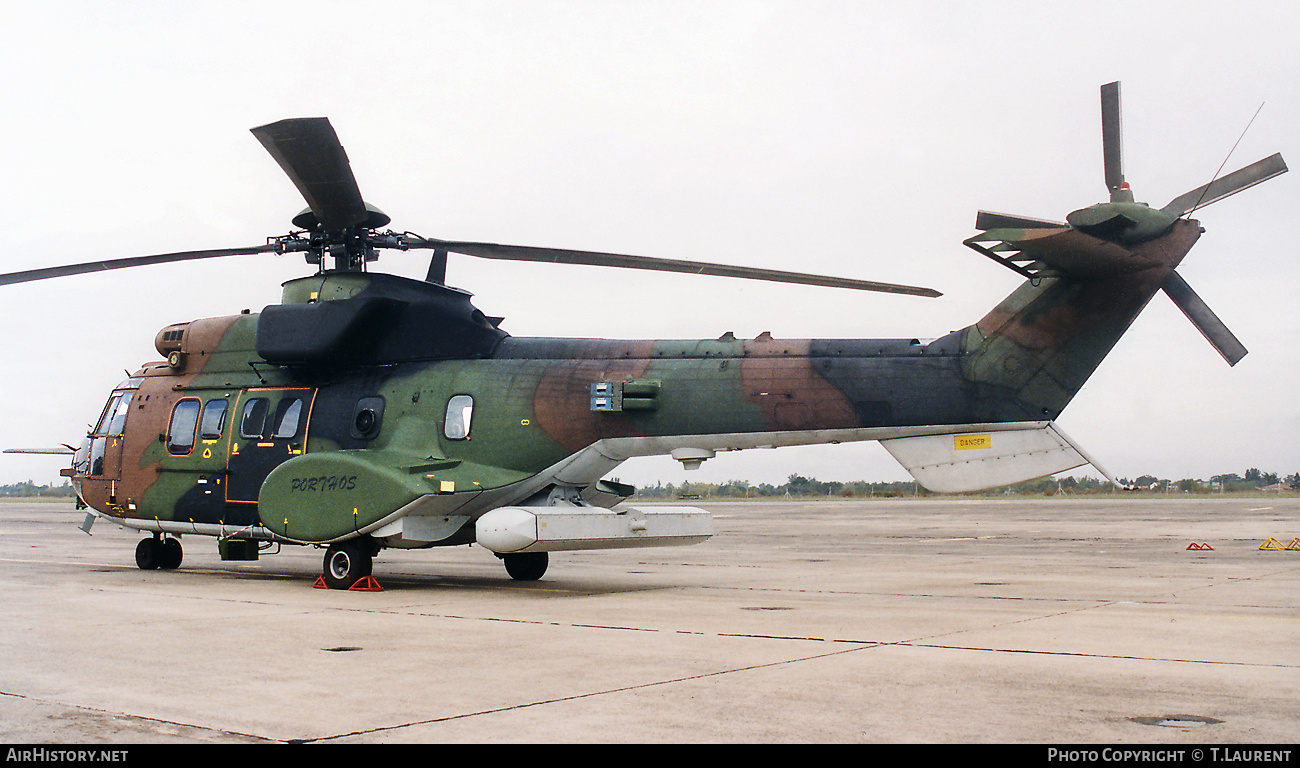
(368, 411)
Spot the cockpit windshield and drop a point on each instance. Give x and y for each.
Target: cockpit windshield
(112, 423)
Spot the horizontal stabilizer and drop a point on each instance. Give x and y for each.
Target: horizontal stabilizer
(1047, 251)
(974, 461)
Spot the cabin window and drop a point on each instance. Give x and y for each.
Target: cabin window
(214, 419)
(288, 413)
(180, 433)
(253, 420)
(460, 409)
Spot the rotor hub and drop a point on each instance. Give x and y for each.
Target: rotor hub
(1121, 222)
(375, 219)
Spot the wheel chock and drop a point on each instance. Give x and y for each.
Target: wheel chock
(363, 584)
(1272, 544)
(1194, 547)
(366, 584)
(1294, 546)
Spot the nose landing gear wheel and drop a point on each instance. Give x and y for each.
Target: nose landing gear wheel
(346, 563)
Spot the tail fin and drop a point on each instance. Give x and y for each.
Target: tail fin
(1044, 340)
(1091, 276)
(1088, 278)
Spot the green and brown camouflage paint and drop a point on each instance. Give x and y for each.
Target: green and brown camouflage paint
(1023, 361)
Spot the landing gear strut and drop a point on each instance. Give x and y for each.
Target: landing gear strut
(158, 553)
(347, 562)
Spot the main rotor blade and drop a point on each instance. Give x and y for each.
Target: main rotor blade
(133, 261)
(590, 258)
(64, 451)
(986, 220)
(1208, 323)
(1247, 177)
(1112, 136)
(311, 155)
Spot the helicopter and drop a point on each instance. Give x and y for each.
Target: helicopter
(369, 411)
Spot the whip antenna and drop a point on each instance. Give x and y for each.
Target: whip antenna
(1215, 178)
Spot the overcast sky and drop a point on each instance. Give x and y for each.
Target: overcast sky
(846, 138)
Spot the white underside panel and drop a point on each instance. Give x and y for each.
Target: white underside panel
(978, 459)
(1017, 451)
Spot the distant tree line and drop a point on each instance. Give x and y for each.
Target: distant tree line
(800, 486)
(30, 489)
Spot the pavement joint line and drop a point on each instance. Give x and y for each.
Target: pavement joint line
(129, 716)
(615, 627)
(783, 662)
(575, 697)
(1080, 654)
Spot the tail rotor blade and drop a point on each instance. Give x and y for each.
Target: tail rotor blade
(1231, 184)
(1208, 323)
(1112, 136)
(986, 220)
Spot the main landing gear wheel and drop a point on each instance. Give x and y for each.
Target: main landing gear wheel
(526, 566)
(172, 554)
(158, 553)
(346, 563)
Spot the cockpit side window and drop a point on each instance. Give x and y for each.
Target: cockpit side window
(113, 421)
(111, 424)
(181, 431)
(107, 416)
(117, 424)
(97, 447)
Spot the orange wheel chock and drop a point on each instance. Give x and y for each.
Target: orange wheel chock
(363, 584)
(366, 584)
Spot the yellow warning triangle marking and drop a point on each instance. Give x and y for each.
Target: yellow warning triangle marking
(1272, 543)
